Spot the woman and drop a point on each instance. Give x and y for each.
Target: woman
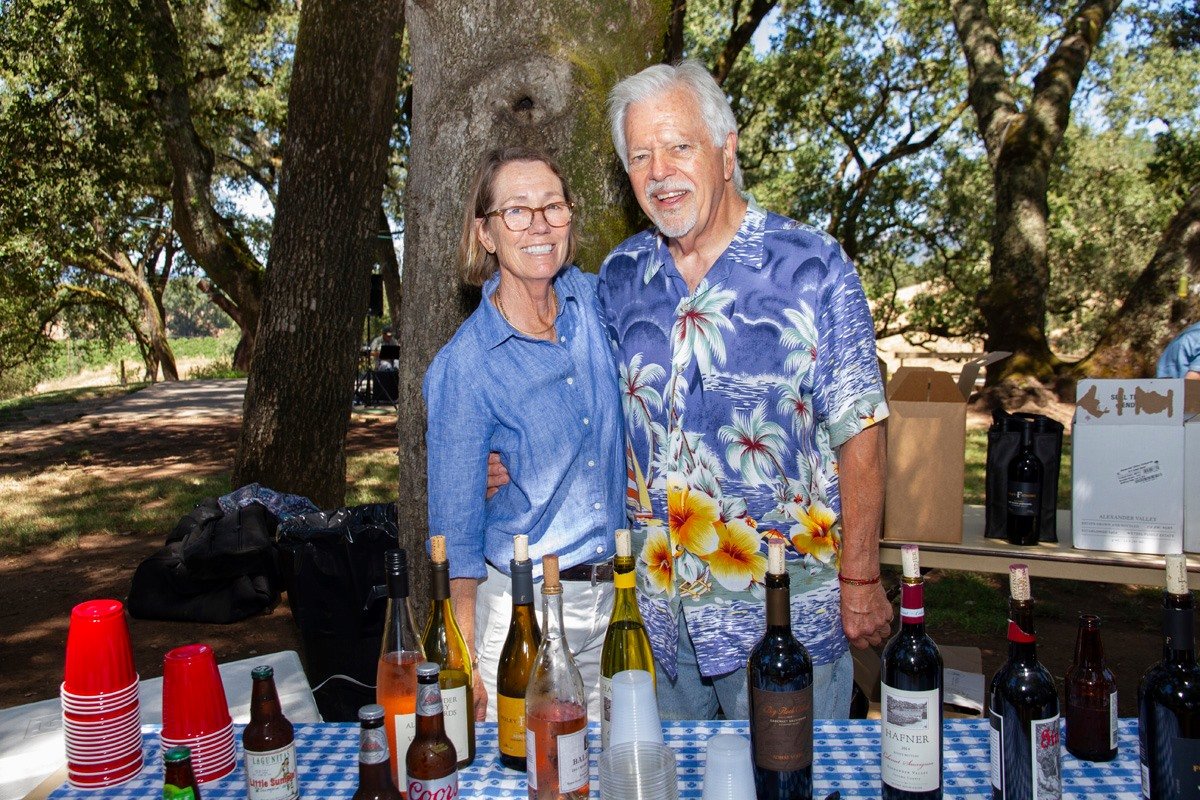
(529, 375)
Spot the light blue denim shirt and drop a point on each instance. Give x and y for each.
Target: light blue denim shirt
(552, 411)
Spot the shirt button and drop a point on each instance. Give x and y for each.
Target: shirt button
(562, 339)
(599, 549)
(591, 463)
(587, 421)
(570, 381)
(596, 506)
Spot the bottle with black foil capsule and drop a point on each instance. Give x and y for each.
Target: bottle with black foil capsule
(431, 760)
(443, 644)
(1023, 521)
(374, 767)
(1025, 747)
(1169, 699)
(1090, 689)
(269, 743)
(911, 697)
(626, 645)
(780, 675)
(396, 676)
(516, 659)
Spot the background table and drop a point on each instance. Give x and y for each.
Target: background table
(846, 759)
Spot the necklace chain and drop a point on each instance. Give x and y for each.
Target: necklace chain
(553, 313)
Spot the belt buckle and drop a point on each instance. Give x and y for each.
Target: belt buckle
(602, 572)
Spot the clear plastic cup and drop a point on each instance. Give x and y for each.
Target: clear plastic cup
(99, 659)
(638, 771)
(634, 709)
(194, 703)
(728, 770)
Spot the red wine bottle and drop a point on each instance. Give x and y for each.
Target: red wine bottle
(780, 676)
(1169, 698)
(1023, 520)
(1091, 697)
(911, 697)
(1025, 748)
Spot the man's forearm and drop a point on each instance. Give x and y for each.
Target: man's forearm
(862, 473)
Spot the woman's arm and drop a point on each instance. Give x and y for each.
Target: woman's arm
(463, 592)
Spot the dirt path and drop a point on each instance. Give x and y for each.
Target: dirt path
(161, 431)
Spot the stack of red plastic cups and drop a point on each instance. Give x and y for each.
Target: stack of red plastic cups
(102, 724)
(195, 712)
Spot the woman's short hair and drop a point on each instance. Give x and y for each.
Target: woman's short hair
(476, 263)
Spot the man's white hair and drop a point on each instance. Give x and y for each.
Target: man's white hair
(660, 78)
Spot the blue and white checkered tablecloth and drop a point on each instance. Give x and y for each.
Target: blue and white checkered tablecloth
(846, 759)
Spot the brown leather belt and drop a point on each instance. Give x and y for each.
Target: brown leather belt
(596, 573)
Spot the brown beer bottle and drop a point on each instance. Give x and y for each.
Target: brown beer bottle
(1091, 697)
(269, 743)
(374, 772)
(179, 783)
(432, 761)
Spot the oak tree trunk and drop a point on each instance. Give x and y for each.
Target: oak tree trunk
(340, 111)
(494, 74)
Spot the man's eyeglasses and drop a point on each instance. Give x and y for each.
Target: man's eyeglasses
(519, 218)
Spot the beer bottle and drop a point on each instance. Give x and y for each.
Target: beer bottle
(432, 761)
(269, 743)
(374, 774)
(179, 783)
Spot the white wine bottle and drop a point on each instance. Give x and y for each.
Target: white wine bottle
(626, 645)
(444, 645)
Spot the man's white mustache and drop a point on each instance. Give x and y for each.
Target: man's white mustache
(659, 187)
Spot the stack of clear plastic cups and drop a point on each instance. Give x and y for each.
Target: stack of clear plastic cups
(728, 773)
(195, 712)
(639, 771)
(102, 724)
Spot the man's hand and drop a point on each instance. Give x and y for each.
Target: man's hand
(866, 615)
(497, 476)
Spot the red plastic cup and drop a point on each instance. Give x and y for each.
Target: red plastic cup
(194, 703)
(99, 658)
(111, 774)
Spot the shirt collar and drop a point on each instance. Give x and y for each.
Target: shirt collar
(496, 329)
(746, 247)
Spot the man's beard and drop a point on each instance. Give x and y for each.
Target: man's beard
(676, 223)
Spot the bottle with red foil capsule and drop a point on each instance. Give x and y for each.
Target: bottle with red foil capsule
(1091, 697)
(556, 750)
(911, 697)
(1023, 700)
(432, 762)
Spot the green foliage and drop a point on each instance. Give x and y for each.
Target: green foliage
(190, 312)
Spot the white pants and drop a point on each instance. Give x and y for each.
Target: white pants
(586, 609)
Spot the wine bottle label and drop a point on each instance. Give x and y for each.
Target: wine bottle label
(1024, 498)
(405, 727)
(510, 714)
(372, 746)
(457, 718)
(1185, 767)
(1112, 720)
(1045, 765)
(434, 789)
(996, 748)
(912, 750)
(271, 774)
(172, 792)
(784, 726)
(531, 759)
(572, 761)
(605, 710)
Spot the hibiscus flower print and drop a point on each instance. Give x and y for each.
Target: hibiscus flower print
(737, 562)
(813, 533)
(692, 515)
(658, 559)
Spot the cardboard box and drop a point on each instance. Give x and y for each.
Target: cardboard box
(1127, 482)
(1191, 484)
(963, 686)
(926, 441)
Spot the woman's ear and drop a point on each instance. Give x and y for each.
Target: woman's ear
(484, 235)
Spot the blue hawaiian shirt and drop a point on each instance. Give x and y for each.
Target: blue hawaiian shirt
(550, 409)
(736, 397)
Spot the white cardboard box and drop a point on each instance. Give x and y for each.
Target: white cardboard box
(1128, 464)
(1191, 484)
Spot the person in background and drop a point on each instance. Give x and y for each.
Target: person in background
(1181, 358)
(752, 399)
(377, 343)
(531, 376)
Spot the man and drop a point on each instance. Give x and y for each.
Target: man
(384, 338)
(750, 388)
(1181, 358)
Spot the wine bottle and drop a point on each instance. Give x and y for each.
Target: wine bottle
(779, 675)
(516, 659)
(444, 645)
(626, 645)
(1169, 698)
(396, 677)
(374, 772)
(1025, 751)
(556, 750)
(1023, 520)
(1091, 697)
(431, 759)
(911, 697)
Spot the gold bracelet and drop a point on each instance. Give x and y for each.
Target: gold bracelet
(858, 581)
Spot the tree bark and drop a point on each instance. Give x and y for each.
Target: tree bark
(340, 112)
(209, 238)
(487, 75)
(1152, 312)
(1020, 146)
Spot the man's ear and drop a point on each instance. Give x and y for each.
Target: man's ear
(729, 155)
(484, 235)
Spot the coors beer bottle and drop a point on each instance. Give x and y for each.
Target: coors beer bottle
(432, 761)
